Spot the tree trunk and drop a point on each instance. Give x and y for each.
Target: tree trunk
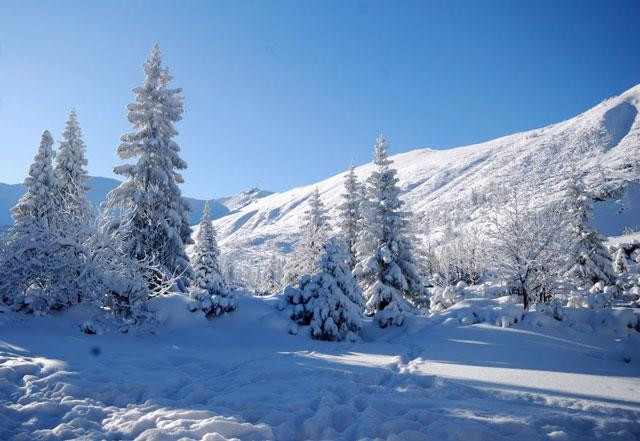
(525, 299)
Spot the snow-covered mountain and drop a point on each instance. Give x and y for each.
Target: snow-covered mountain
(603, 143)
(10, 193)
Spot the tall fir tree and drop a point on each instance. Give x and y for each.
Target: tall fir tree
(38, 268)
(73, 178)
(205, 258)
(154, 216)
(39, 208)
(314, 235)
(386, 267)
(590, 260)
(350, 215)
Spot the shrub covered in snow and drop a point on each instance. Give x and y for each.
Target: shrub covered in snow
(329, 301)
(212, 304)
(443, 298)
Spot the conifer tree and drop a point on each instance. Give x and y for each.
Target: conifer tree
(154, 216)
(329, 300)
(314, 235)
(38, 271)
(590, 259)
(620, 262)
(270, 281)
(206, 256)
(350, 215)
(386, 267)
(38, 210)
(72, 178)
(211, 294)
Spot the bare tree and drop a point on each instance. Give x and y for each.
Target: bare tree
(526, 244)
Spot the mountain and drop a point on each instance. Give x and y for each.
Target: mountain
(438, 185)
(10, 193)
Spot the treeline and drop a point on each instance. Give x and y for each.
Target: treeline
(61, 251)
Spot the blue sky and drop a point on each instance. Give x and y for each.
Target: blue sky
(284, 93)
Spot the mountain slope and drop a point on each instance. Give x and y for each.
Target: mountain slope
(603, 143)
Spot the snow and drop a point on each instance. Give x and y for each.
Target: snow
(625, 238)
(611, 216)
(242, 376)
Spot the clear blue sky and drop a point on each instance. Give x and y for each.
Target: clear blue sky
(284, 93)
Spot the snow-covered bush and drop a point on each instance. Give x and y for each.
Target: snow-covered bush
(443, 298)
(212, 304)
(553, 309)
(599, 296)
(329, 301)
(459, 256)
(500, 311)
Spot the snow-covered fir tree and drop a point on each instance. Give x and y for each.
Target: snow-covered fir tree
(313, 236)
(620, 261)
(329, 301)
(72, 178)
(205, 257)
(39, 208)
(270, 280)
(386, 267)
(350, 215)
(590, 259)
(154, 216)
(37, 272)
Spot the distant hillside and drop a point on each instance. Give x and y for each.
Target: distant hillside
(10, 193)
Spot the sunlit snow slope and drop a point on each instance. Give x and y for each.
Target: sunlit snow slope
(603, 143)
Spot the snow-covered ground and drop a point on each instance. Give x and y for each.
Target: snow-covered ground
(243, 376)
